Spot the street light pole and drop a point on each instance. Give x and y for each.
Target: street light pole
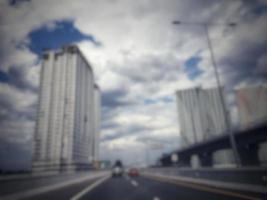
(215, 68)
(145, 142)
(147, 153)
(220, 89)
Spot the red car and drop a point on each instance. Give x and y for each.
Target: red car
(133, 172)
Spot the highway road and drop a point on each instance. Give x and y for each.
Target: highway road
(22, 184)
(139, 188)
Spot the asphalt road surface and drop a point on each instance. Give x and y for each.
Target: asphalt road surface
(141, 188)
(19, 185)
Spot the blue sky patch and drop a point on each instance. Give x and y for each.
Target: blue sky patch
(63, 33)
(165, 99)
(191, 67)
(149, 101)
(15, 2)
(4, 78)
(260, 9)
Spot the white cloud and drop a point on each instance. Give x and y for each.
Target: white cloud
(15, 108)
(11, 134)
(17, 99)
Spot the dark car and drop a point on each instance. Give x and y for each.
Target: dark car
(117, 169)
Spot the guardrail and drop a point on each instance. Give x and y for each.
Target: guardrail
(254, 176)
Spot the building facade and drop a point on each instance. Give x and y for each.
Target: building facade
(252, 104)
(252, 109)
(201, 114)
(66, 117)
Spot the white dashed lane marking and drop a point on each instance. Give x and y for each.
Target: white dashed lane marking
(134, 183)
(89, 188)
(156, 198)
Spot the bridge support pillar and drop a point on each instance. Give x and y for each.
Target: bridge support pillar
(262, 153)
(184, 160)
(249, 155)
(206, 159)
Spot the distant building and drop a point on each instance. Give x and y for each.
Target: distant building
(66, 115)
(105, 164)
(252, 109)
(252, 105)
(201, 114)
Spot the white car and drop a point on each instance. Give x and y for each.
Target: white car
(117, 171)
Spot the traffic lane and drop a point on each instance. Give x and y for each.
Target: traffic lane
(189, 191)
(63, 193)
(19, 185)
(121, 188)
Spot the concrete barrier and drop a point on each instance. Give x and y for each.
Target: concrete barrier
(249, 179)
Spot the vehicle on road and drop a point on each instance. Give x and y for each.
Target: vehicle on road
(117, 169)
(133, 172)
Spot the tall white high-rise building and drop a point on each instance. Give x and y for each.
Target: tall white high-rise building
(201, 115)
(65, 126)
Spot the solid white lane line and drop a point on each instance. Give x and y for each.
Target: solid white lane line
(134, 183)
(52, 187)
(156, 198)
(89, 188)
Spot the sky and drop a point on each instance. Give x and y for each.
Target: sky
(139, 60)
